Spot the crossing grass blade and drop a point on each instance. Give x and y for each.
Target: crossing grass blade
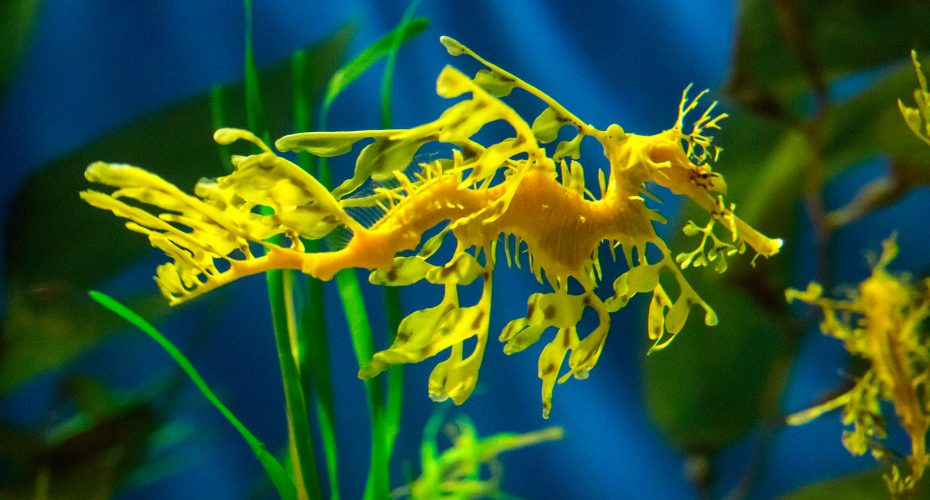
(279, 477)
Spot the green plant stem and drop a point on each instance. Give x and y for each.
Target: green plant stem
(219, 120)
(383, 427)
(362, 340)
(393, 305)
(387, 80)
(317, 368)
(274, 469)
(300, 443)
(378, 485)
(313, 355)
(254, 111)
(298, 423)
(362, 62)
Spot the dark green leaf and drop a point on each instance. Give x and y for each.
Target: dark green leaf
(783, 47)
(352, 70)
(867, 485)
(710, 386)
(46, 328)
(16, 20)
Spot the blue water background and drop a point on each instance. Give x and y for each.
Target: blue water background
(94, 66)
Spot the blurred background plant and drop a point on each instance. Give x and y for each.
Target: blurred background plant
(815, 148)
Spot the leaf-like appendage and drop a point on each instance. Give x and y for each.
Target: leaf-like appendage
(546, 126)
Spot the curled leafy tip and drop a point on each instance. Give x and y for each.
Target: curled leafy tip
(226, 136)
(452, 45)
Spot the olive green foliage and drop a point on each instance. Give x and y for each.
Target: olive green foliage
(459, 471)
(787, 137)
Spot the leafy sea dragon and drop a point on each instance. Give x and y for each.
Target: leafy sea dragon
(884, 322)
(881, 322)
(541, 200)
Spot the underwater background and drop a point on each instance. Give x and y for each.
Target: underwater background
(90, 69)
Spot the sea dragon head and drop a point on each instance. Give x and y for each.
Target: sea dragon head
(682, 161)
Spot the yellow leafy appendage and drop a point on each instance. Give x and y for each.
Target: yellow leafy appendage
(880, 323)
(542, 201)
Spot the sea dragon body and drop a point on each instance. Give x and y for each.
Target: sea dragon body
(541, 200)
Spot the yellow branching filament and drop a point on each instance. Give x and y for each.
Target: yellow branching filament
(880, 323)
(541, 200)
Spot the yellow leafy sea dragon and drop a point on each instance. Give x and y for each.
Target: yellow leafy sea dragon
(881, 323)
(541, 200)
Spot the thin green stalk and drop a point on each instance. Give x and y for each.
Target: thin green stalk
(314, 350)
(276, 472)
(254, 111)
(299, 440)
(387, 80)
(318, 366)
(393, 305)
(298, 422)
(357, 66)
(378, 486)
(218, 115)
(347, 282)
